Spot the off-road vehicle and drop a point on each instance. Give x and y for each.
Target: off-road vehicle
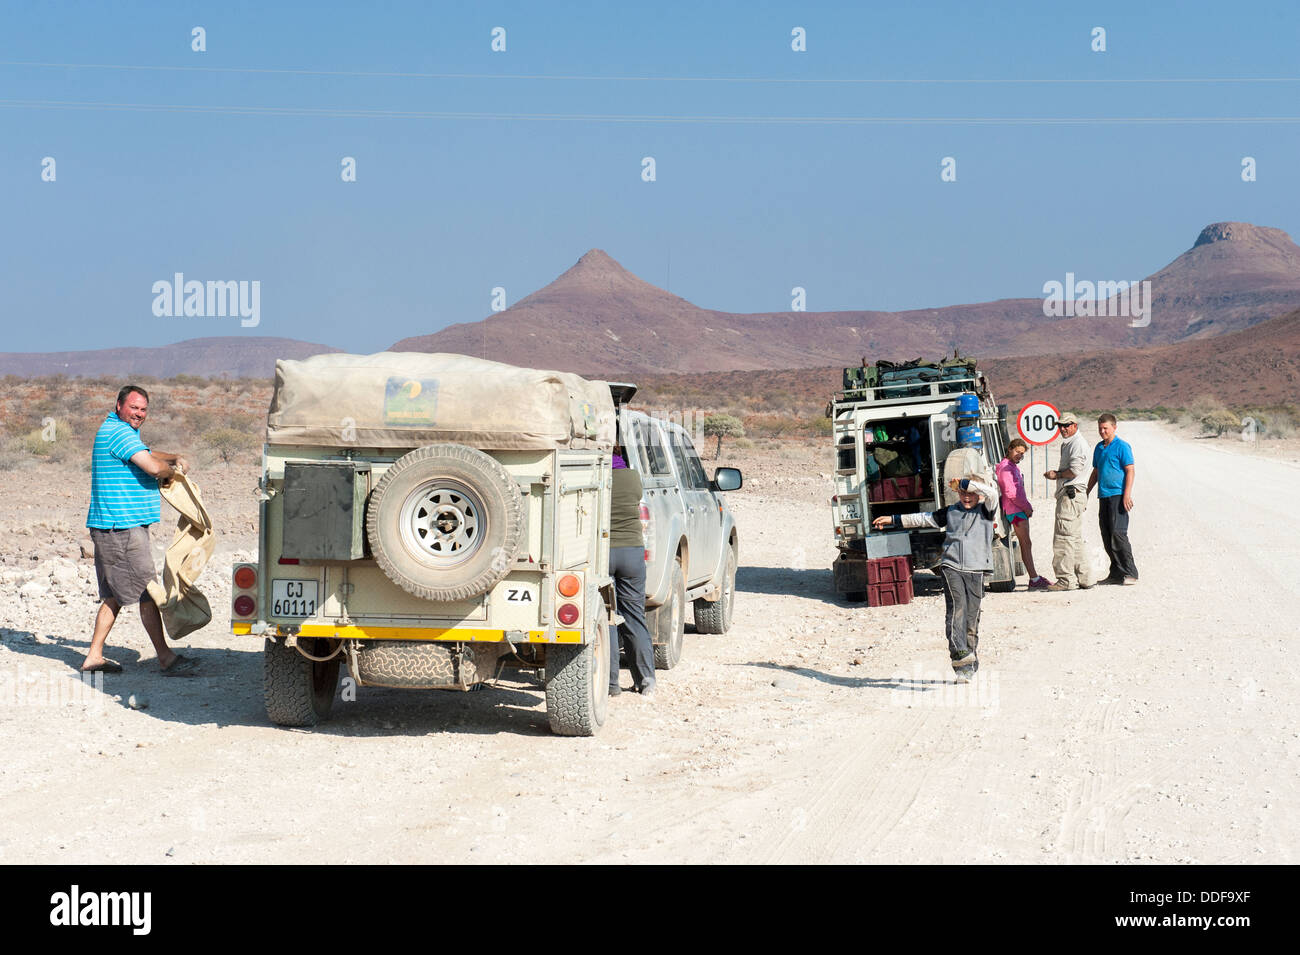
(426, 520)
(894, 428)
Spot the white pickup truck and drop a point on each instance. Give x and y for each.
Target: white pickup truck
(692, 546)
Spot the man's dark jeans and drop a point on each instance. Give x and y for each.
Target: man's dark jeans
(1114, 537)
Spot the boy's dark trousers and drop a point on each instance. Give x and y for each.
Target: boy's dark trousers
(1114, 537)
(962, 592)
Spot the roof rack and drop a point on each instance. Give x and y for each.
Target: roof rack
(915, 391)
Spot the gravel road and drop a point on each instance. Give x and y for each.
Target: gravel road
(1156, 723)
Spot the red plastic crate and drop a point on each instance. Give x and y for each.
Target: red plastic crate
(895, 489)
(889, 581)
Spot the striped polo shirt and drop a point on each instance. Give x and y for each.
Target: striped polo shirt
(121, 495)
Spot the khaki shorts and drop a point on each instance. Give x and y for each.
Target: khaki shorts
(123, 563)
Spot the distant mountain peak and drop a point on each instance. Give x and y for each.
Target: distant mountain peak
(1241, 232)
(598, 277)
(596, 267)
(598, 259)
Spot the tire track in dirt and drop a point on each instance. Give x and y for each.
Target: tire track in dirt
(872, 788)
(1091, 827)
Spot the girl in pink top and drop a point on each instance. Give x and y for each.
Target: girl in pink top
(1015, 504)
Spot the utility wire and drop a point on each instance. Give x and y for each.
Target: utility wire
(359, 113)
(658, 79)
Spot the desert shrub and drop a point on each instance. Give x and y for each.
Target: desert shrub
(229, 444)
(743, 444)
(201, 420)
(722, 426)
(43, 442)
(770, 425)
(1218, 421)
(1204, 406)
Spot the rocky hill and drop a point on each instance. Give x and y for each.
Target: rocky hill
(598, 318)
(1256, 366)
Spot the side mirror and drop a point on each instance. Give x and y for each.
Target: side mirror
(727, 479)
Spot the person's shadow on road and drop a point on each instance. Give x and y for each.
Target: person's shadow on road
(896, 682)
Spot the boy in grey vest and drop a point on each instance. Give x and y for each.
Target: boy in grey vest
(967, 556)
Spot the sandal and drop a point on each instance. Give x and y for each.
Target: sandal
(108, 666)
(182, 666)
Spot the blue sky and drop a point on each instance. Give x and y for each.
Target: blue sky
(446, 208)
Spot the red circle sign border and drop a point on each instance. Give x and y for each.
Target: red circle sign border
(1020, 416)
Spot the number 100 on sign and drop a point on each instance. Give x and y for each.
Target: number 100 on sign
(1037, 422)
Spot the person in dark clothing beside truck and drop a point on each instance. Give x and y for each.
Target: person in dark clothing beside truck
(1113, 472)
(627, 566)
(967, 556)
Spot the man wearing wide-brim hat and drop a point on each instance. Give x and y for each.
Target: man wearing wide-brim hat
(1069, 559)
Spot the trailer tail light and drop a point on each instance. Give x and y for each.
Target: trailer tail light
(243, 592)
(569, 587)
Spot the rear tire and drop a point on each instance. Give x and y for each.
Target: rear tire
(714, 616)
(577, 683)
(298, 691)
(671, 620)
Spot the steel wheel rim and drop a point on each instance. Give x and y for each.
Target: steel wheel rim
(443, 522)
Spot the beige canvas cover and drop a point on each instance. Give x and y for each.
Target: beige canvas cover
(183, 607)
(408, 399)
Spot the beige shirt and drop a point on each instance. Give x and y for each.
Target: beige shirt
(1074, 457)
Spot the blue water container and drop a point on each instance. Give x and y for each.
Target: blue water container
(970, 437)
(968, 406)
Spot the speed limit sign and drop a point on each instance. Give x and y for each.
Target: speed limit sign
(1037, 422)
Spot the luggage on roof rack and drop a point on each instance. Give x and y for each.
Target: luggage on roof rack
(910, 379)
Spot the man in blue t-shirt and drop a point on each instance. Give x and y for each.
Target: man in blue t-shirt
(1113, 472)
(124, 501)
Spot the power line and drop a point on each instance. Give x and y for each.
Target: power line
(359, 113)
(1045, 81)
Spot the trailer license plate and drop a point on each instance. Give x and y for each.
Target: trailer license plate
(293, 598)
(851, 512)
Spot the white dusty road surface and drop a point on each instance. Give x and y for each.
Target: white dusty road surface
(1156, 723)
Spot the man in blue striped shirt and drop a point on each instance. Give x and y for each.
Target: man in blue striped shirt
(124, 501)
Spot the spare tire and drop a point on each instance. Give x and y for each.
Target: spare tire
(444, 522)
